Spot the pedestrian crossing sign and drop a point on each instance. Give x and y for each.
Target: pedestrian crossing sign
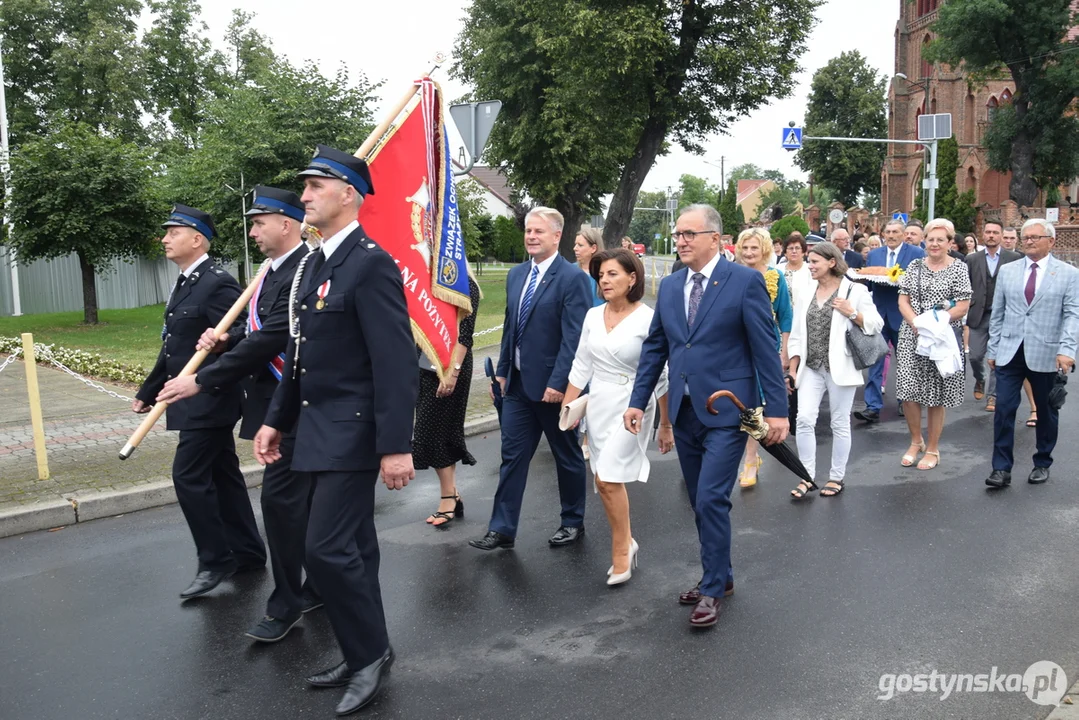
(792, 138)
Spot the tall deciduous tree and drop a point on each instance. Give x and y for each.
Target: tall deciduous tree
(76, 190)
(847, 99)
(592, 90)
(1036, 136)
(729, 210)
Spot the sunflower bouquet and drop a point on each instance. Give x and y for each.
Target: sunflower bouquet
(894, 273)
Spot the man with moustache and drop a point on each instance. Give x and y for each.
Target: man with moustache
(348, 388)
(205, 471)
(254, 356)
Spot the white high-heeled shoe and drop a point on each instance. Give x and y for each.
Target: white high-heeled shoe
(618, 579)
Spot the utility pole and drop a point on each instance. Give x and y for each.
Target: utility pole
(5, 169)
(723, 173)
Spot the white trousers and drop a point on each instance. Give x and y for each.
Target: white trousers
(840, 399)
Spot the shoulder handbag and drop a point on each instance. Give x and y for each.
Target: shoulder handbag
(865, 350)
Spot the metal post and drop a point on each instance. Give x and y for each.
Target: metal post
(932, 180)
(5, 169)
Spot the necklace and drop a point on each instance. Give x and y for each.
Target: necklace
(612, 319)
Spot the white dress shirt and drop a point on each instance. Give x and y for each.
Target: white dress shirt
(275, 265)
(992, 261)
(1042, 264)
(707, 271)
(543, 266)
(328, 246)
(191, 268)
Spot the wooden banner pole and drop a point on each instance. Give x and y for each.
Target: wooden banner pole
(36, 418)
(378, 132)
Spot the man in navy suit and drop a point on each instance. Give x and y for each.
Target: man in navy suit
(894, 252)
(713, 324)
(841, 239)
(546, 301)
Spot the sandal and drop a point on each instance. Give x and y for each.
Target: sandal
(447, 516)
(803, 489)
(747, 482)
(923, 466)
(908, 459)
(831, 488)
(1032, 421)
(991, 405)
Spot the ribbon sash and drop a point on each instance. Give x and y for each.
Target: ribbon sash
(254, 322)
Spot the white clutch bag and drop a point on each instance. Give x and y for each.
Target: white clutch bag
(572, 413)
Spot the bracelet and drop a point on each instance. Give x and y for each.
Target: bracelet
(666, 426)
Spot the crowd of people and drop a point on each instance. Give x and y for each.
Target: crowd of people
(583, 362)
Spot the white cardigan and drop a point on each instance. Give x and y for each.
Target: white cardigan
(840, 362)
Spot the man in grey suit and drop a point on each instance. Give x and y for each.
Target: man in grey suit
(1033, 333)
(984, 266)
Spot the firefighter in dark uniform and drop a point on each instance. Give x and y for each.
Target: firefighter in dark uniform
(205, 470)
(254, 356)
(349, 387)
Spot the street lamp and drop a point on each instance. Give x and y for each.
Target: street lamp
(243, 205)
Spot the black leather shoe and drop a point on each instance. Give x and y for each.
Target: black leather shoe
(869, 416)
(204, 582)
(364, 685)
(492, 540)
(310, 601)
(566, 536)
(1038, 475)
(999, 479)
(337, 676)
(270, 629)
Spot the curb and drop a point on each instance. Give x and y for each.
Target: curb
(87, 505)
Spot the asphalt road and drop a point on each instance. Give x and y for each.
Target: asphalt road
(906, 572)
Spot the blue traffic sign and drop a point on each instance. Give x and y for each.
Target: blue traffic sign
(902, 217)
(792, 138)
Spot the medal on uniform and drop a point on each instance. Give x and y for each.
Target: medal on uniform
(322, 290)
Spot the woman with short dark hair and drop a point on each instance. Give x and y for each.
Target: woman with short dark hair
(606, 362)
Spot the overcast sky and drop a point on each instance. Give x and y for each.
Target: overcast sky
(395, 42)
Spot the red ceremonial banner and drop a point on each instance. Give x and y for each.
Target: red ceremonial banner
(404, 217)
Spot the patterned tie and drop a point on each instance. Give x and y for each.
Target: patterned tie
(891, 258)
(1031, 281)
(526, 306)
(695, 297)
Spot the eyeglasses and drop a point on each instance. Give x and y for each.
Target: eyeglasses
(1037, 237)
(690, 235)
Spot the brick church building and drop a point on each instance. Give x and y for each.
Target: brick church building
(930, 89)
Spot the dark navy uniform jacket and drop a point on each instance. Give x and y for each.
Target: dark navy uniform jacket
(247, 360)
(355, 385)
(201, 302)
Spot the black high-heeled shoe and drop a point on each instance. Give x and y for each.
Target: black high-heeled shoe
(447, 516)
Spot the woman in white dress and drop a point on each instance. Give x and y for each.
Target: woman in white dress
(606, 362)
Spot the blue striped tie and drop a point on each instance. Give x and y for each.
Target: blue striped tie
(526, 306)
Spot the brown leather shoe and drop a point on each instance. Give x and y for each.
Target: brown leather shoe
(693, 595)
(705, 612)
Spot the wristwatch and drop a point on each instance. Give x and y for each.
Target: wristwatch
(853, 315)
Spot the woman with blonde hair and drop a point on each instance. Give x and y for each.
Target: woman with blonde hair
(938, 287)
(753, 249)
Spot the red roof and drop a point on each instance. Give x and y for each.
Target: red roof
(748, 187)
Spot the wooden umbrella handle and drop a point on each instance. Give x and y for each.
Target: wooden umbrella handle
(193, 364)
(727, 394)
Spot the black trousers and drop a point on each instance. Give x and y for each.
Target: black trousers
(286, 503)
(213, 496)
(343, 560)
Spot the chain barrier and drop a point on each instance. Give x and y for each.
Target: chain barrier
(488, 331)
(15, 353)
(46, 354)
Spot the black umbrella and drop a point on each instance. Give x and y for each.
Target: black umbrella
(1058, 392)
(752, 422)
(496, 389)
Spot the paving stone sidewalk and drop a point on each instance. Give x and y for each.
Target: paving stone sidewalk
(85, 430)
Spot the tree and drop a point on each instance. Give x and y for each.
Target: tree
(183, 70)
(264, 131)
(694, 190)
(1036, 135)
(729, 210)
(508, 240)
(785, 226)
(470, 207)
(646, 224)
(78, 191)
(847, 99)
(746, 171)
(592, 90)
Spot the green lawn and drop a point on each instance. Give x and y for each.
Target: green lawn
(133, 337)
